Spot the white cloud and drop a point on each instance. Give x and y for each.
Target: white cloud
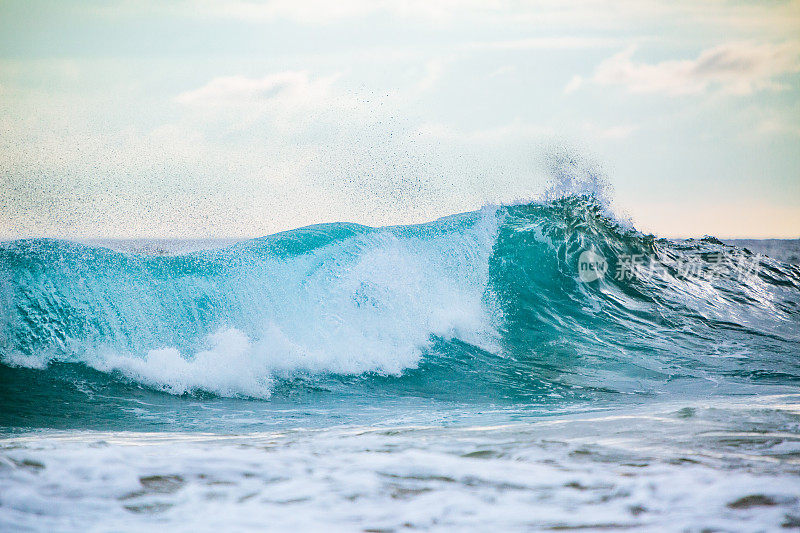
(574, 84)
(517, 130)
(545, 43)
(325, 11)
(769, 18)
(434, 69)
(778, 127)
(505, 70)
(738, 68)
(758, 122)
(311, 11)
(290, 87)
(282, 103)
(610, 133)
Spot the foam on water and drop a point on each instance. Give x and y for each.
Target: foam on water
(688, 467)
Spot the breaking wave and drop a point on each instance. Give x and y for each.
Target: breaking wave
(487, 302)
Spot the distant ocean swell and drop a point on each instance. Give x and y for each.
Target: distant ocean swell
(488, 302)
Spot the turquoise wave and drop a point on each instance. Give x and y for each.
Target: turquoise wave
(487, 304)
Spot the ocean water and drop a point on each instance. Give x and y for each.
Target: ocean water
(521, 367)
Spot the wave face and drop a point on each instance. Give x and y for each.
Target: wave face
(489, 303)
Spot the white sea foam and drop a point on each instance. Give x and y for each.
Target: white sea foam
(679, 470)
(371, 304)
(229, 367)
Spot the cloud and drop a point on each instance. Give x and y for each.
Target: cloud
(778, 127)
(770, 18)
(324, 11)
(737, 68)
(609, 133)
(545, 43)
(515, 131)
(434, 69)
(287, 87)
(288, 103)
(310, 11)
(574, 84)
(759, 122)
(505, 70)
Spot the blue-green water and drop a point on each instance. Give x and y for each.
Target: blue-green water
(459, 372)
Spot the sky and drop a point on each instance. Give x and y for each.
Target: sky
(203, 118)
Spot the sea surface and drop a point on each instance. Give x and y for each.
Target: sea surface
(538, 366)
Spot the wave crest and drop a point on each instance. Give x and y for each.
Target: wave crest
(484, 299)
